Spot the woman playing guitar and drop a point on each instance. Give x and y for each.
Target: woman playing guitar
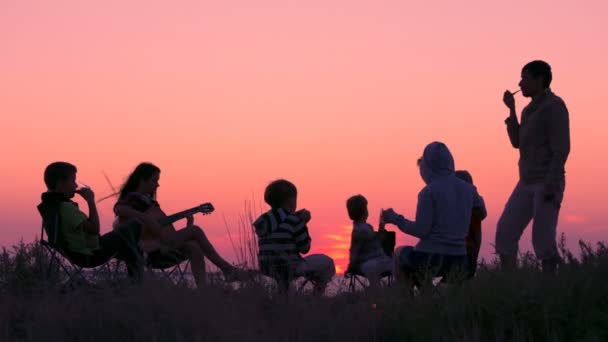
(137, 201)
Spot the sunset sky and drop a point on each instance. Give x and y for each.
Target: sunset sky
(339, 97)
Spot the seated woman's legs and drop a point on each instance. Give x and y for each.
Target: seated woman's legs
(196, 235)
(197, 262)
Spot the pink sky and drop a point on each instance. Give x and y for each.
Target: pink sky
(338, 96)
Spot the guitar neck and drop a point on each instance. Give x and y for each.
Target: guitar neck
(165, 221)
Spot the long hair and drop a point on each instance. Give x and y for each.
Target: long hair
(142, 172)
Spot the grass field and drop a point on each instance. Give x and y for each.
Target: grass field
(495, 306)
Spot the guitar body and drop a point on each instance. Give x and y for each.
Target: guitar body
(151, 240)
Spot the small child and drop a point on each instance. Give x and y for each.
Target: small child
(473, 241)
(366, 253)
(283, 235)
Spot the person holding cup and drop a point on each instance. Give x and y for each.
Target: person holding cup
(442, 220)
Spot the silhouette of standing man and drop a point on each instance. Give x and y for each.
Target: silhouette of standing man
(543, 140)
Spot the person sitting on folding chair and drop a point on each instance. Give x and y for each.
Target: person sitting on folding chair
(367, 256)
(77, 236)
(164, 244)
(282, 234)
(443, 216)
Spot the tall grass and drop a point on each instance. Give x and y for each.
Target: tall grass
(523, 305)
(246, 245)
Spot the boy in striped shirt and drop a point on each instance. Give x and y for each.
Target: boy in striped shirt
(283, 236)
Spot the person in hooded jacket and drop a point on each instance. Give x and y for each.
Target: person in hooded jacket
(442, 220)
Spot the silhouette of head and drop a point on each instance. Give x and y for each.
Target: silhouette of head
(465, 176)
(144, 178)
(536, 76)
(357, 208)
(436, 162)
(281, 193)
(61, 177)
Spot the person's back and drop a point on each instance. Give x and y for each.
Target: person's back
(442, 220)
(452, 201)
(70, 235)
(444, 205)
(282, 236)
(365, 244)
(366, 255)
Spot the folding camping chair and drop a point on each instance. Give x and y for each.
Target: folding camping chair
(282, 274)
(308, 279)
(169, 265)
(54, 246)
(387, 241)
(356, 278)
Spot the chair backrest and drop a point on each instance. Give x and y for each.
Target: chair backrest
(388, 240)
(51, 223)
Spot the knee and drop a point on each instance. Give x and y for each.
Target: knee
(327, 267)
(327, 261)
(196, 230)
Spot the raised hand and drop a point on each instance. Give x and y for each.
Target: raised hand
(189, 220)
(390, 216)
(87, 194)
(304, 215)
(509, 100)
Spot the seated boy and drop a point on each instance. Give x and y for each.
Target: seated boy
(283, 235)
(366, 254)
(78, 234)
(473, 241)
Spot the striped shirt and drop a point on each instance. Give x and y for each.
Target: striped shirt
(282, 236)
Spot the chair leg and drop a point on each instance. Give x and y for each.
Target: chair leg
(46, 272)
(301, 288)
(182, 273)
(178, 271)
(351, 284)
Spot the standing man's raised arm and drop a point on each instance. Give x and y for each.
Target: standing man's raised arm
(511, 121)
